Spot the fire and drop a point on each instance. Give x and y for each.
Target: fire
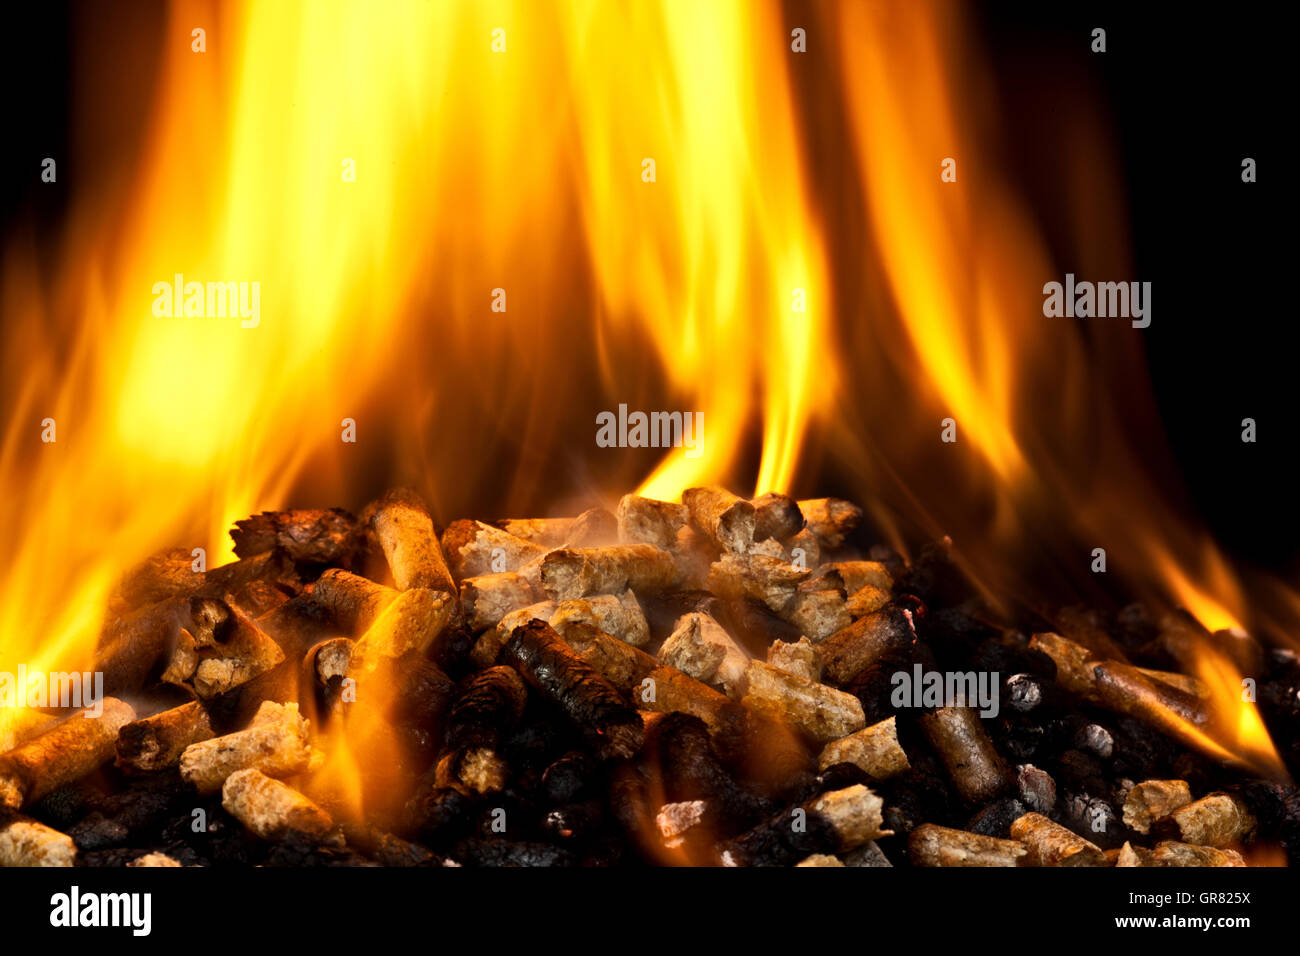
(388, 180)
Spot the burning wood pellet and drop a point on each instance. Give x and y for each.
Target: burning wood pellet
(554, 669)
(276, 743)
(154, 743)
(661, 689)
(831, 519)
(22, 724)
(650, 521)
(490, 705)
(272, 809)
(1217, 820)
(821, 712)
(776, 516)
(570, 573)
(274, 567)
(490, 597)
(653, 685)
(490, 642)
(1153, 800)
(1172, 853)
(875, 749)
(798, 657)
(805, 549)
(700, 647)
(866, 600)
(322, 536)
(618, 615)
(726, 520)
(546, 532)
(594, 528)
(773, 581)
(354, 602)
(852, 649)
(1120, 687)
(404, 529)
(831, 822)
(932, 845)
(26, 842)
(976, 768)
(473, 548)
(857, 575)
(1126, 690)
(66, 752)
(234, 655)
(1050, 844)
(819, 614)
(132, 648)
(412, 622)
(169, 573)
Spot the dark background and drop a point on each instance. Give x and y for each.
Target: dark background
(1188, 95)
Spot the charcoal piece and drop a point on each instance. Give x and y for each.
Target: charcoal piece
(777, 843)
(1009, 653)
(1081, 773)
(489, 705)
(692, 771)
(295, 849)
(917, 796)
(127, 815)
(996, 817)
(1267, 801)
(232, 710)
(874, 685)
(569, 777)
(64, 806)
(575, 822)
(1095, 739)
(1140, 751)
(1036, 788)
(1134, 627)
(477, 852)
(439, 816)
(1094, 818)
(630, 803)
(224, 841)
(552, 667)
(1036, 692)
(387, 849)
(934, 578)
(542, 736)
(1021, 739)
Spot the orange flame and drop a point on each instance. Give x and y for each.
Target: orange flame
(730, 283)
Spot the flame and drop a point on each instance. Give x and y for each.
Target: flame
(800, 295)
